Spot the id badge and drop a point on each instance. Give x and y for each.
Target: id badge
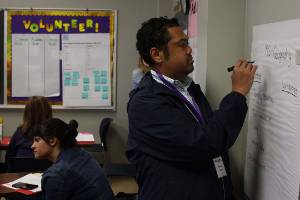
(220, 168)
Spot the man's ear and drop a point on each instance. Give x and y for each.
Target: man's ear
(53, 141)
(156, 55)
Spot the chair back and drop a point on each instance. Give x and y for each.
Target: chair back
(103, 131)
(26, 164)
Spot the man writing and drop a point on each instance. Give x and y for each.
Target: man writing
(178, 144)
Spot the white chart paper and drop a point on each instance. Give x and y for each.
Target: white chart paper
(35, 64)
(272, 170)
(86, 74)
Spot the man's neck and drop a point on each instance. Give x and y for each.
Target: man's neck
(171, 75)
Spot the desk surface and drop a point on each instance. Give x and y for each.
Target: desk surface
(10, 193)
(4, 142)
(8, 177)
(118, 184)
(6, 139)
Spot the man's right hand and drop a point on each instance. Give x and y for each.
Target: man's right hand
(242, 76)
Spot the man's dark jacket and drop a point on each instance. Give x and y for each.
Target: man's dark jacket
(172, 151)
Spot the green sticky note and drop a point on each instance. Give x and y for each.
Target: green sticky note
(105, 88)
(103, 80)
(67, 74)
(97, 79)
(86, 80)
(103, 73)
(85, 95)
(97, 88)
(104, 96)
(86, 87)
(96, 73)
(75, 82)
(67, 82)
(76, 75)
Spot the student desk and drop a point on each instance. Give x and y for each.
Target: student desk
(9, 193)
(118, 184)
(5, 142)
(90, 146)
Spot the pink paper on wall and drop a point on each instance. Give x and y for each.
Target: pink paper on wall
(192, 28)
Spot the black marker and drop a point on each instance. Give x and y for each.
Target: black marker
(229, 69)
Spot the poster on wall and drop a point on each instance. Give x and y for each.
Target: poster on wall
(66, 55)
(186, 12)
(272, 168)
(193, 30)
(180, 10)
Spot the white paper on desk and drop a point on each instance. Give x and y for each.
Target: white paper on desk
(33, 178)
(85, 137)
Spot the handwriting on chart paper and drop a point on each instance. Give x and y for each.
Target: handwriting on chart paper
(260, 115)
(259, 145)
(263, 98)
(289, 89)
(256, 160)
(258, 78)
(280, 54)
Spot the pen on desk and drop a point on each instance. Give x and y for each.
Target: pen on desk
(229, 69)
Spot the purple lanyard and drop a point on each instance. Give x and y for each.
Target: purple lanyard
(194, 108)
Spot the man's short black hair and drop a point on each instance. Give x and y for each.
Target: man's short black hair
(154, 33)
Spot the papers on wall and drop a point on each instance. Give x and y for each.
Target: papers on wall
(36, 65)
(86, 75)
(272, 169)
(33, 178)
(66, 55)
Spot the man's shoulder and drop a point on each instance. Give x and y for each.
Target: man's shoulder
(146, 87)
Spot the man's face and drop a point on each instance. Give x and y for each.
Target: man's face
(178, 60)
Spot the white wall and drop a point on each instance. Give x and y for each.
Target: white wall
(225, 44)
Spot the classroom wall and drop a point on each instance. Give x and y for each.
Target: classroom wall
(225, 44)
(130, 15)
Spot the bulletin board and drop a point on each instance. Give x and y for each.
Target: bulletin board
(67, 55)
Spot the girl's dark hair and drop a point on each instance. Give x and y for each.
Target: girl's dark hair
(36, 111)
(65, 133)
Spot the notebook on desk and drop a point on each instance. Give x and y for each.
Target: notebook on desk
(32, 178)
(85, 137)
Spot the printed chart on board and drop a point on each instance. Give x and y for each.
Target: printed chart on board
(272, 170)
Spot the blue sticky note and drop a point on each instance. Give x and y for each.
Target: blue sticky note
(97, 80)
(97, 88)
(74, 82)
(67, 74)
(104, 96)
(86, 87)
(103, 73)
(67, 82)
(103, 80)
(75, 75)
(85, 95)
(86, 80)
(105, 88)
(96, 73)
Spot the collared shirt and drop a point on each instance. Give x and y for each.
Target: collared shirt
(181, 86)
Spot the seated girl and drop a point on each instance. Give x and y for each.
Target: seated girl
(36, 111)
(74, 175)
